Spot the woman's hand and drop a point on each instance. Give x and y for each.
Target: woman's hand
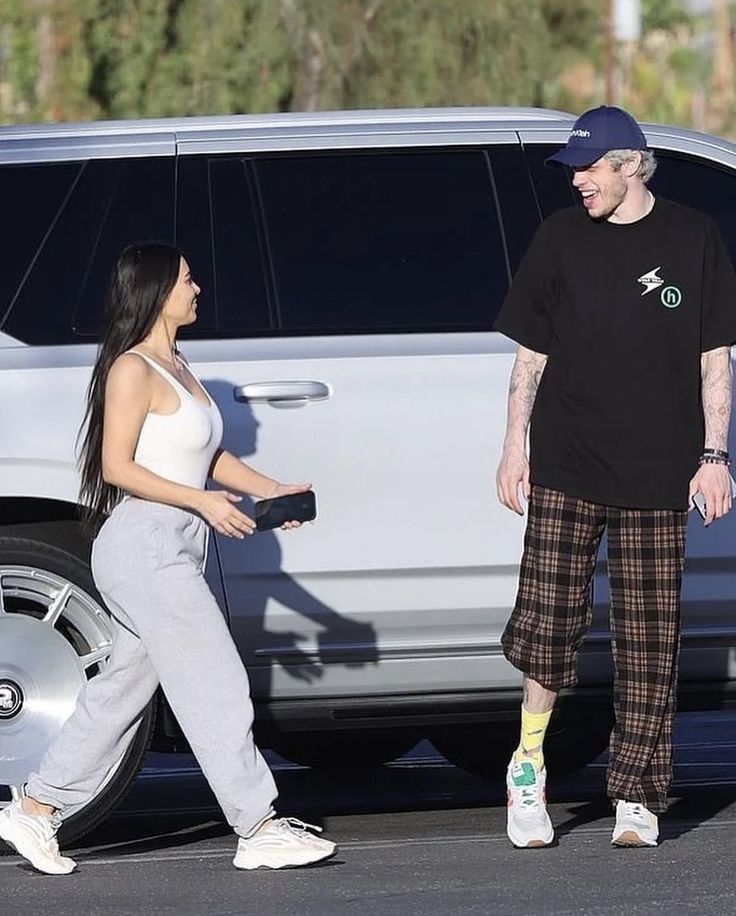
(216, 507)
(286, 489)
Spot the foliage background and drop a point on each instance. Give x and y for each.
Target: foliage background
(68, 60)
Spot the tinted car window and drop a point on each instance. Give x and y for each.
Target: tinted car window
(519, 211)
(32, 196)
(140, 207)
(392, 242)
(194, 238)
(551, 183)
(113, 203)
(44, 308)
(217, 227)
(240, 288)
(701, 185)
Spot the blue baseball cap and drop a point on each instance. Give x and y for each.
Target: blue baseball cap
(596, 133)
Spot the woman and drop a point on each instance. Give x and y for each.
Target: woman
(152, 439)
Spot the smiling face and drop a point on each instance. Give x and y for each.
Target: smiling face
(180, 307)
(604, 187)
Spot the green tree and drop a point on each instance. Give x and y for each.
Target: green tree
(152, 58)
(379, 53)
(43, 66)
(81, 59)
(665, 15)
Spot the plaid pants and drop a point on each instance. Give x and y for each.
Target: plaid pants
(646, 550)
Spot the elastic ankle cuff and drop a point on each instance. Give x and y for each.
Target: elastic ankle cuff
(269, 817)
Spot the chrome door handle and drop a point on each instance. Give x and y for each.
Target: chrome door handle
(282, 392)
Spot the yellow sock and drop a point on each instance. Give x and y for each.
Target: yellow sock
(533, 727)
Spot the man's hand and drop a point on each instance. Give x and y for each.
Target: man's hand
(714, 482)
(513, 471)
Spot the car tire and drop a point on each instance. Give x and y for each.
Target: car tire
(55, 633)
(344, 750)
(571, 743)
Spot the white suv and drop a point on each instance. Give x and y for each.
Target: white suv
(351, 266)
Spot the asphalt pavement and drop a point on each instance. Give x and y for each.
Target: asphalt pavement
(416, 837)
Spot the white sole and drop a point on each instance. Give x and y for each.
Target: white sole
(527, 843)
(630, 839)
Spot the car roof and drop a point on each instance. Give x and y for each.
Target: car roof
(371, 119)
(291, 131)
(284, 131)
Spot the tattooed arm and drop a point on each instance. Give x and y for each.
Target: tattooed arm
(712, 480)
(513, 468)
(716, 381)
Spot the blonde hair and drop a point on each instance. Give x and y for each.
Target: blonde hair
(647, 166)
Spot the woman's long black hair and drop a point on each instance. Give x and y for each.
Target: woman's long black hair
(142, 279)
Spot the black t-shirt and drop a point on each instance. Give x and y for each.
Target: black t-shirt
(623, 312)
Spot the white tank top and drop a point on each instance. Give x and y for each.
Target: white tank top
(180, 446)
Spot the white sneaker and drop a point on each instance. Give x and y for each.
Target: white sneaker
(283, 842)
(34, 837)
(527, 822)
(635, 825)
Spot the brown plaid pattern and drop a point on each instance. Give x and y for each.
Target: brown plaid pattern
(646, 550)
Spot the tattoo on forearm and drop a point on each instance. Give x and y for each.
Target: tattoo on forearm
(716, 382)
(525, 378)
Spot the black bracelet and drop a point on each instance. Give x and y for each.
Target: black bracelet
(716, 453)
(712, 459)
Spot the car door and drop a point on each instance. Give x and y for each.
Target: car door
(356, 292)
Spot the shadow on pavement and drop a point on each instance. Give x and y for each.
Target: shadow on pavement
(583, 815)
(695, 809)
(126, 836)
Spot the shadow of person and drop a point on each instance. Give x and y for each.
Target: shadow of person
(688, 812)
(254, 578)
(585, 814)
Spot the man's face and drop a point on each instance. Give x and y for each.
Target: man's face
(602, 186)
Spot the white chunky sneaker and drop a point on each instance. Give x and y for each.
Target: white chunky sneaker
(635, 825)
(283, 842)
(34, 837)
(527, 822)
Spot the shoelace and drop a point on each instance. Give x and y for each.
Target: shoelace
(530, 801)
(638, 812)
(294, 825)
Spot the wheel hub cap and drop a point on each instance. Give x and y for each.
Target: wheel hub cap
(11, 699)
(40, 678)
(53, 635)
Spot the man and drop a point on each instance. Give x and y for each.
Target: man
(624, 310)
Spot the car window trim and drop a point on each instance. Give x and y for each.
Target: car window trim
(245, 143)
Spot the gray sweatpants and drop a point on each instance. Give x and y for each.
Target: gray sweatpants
(147, 563)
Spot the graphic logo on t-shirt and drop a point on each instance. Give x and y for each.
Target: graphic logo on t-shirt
(671, 297)
(651, 280)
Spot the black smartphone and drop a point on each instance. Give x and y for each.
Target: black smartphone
(295, 507)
